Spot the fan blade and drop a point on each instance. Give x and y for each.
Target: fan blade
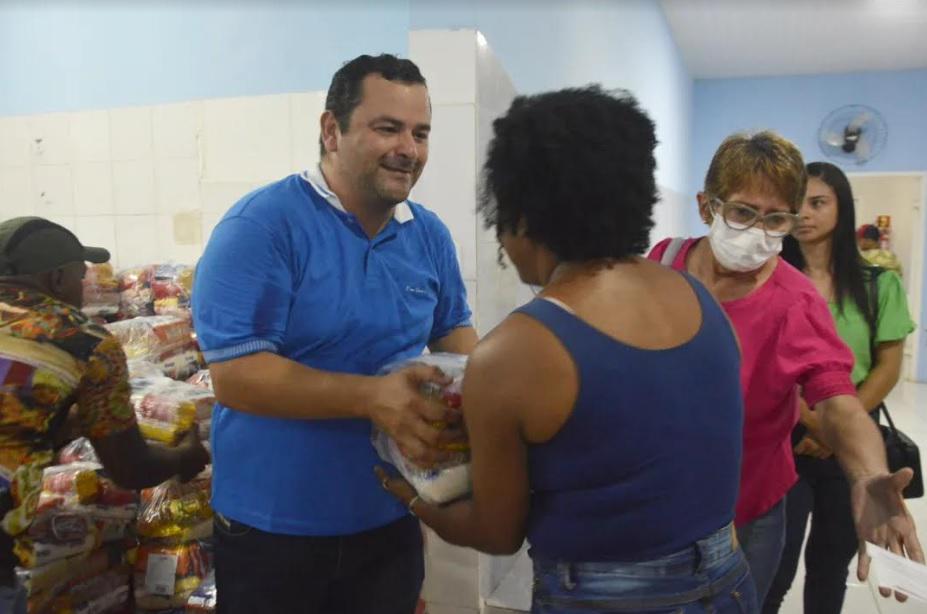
(834, 139)
(863, 148)
(859, 121)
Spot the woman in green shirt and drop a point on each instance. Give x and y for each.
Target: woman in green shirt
(824, 248)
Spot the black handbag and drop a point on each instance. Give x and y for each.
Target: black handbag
(900, 449)
(901, 452)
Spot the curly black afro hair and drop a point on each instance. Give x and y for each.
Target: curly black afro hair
(575, 169)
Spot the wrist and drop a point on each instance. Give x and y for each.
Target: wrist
(411, 505)
(364, 401)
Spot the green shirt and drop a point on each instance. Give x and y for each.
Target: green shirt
(894, 323)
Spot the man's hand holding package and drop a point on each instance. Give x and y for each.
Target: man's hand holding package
(402, 411)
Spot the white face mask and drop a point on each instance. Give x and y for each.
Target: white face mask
(741, 250)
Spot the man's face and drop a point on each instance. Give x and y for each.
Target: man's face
(68, 283)
(384, 150)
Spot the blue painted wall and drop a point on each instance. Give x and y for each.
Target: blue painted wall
(64, 57)
(550, 44)
(795, 107)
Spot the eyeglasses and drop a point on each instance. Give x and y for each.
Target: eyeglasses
(738, 216)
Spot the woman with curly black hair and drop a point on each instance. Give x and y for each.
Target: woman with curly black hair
(604, 416)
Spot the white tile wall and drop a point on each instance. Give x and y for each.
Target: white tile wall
(178, 181)
(15, 191)
(137, 240)
(176, 129)
(89, 135)
(14, 142)
(150, 183)
(179, 237)
(93, 188)
(218, 197)
(130, 131)
(447, 59)
(134, 187)
(49, 138)
(97, 231)
(247, 139)
(448, 184)
(209, 221)
(53, 191)
(305, 111)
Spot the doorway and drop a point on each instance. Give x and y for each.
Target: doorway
(902, 197)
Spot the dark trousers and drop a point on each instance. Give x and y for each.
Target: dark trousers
(266, 573)
(823, 492)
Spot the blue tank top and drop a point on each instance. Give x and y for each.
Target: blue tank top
(649, 460)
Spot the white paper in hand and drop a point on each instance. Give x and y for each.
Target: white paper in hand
(898, 573)
(161, 574)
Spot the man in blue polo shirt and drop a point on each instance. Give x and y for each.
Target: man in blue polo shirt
(308, 287)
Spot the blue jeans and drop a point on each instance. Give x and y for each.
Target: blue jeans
(12, 600)
(267, 573)
(709, 576)
(763, 541)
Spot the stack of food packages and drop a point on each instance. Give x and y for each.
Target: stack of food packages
(101, 293)
(158, 289)
(76, 555)
(174, 519)
(166, 341)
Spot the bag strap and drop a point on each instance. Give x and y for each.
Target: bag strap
(874, 273)
(672, 250)
(891, 423)
(873, 300)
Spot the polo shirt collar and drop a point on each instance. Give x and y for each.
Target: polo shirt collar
(314, 177)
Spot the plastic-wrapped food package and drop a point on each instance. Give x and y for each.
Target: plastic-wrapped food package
(141, 368)
(78, 451)
(105, 592)
(175, 511)
(52, 578)
(182, 364)
(171, 286)
(135, 296)
(33, 553)
(167, 409)
(166, 576)
(450, 480)
(101, 291)
(202, 379)
(79, 481)
(203, 599)
(153, 337)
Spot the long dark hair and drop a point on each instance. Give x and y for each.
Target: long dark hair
(849, 271)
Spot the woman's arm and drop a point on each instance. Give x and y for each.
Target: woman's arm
(885, 373)
(518, 380)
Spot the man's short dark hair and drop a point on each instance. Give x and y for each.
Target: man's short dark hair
(345, 91)
(576, 168)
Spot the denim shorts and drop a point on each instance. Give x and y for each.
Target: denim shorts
(712, 576)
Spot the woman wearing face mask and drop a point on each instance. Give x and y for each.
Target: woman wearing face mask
(753, 187)
(824, 248)
(605, 415)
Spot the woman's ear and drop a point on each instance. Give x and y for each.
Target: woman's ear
(704, 208)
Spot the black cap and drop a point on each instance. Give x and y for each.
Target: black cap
(30, 245)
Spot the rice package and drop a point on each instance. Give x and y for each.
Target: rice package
(451, 479)
(177, 511)
(166, 576)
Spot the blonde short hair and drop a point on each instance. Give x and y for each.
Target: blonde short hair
(762, 161)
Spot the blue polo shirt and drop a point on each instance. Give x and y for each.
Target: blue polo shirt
(289, 271)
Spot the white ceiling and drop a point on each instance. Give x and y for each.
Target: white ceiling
(741, 38)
